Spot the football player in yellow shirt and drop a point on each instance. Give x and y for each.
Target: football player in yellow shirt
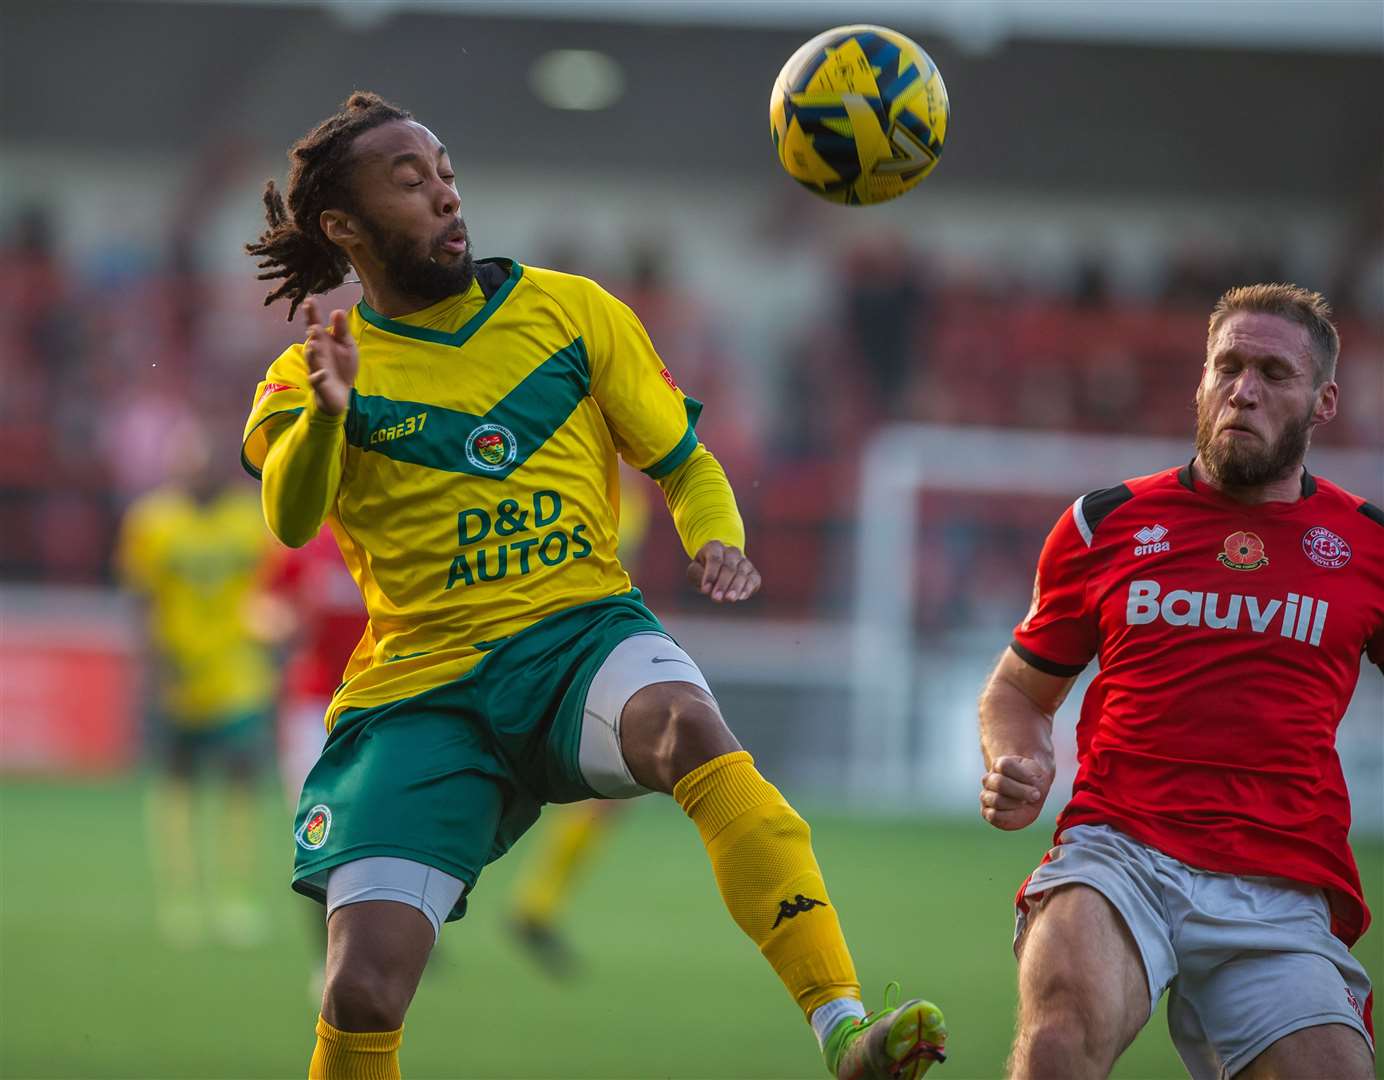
(460, 431)
(193, 551)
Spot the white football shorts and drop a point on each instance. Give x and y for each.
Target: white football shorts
(1245, 960)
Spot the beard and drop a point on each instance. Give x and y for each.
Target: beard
(1231, 463)
(423, 276)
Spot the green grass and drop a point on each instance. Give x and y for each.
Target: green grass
(671, 988)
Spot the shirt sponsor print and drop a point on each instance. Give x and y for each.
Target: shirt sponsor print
(409, 425)
(1299, 617)
(530, 548)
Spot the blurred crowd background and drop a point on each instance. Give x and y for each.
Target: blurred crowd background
(1105, 179)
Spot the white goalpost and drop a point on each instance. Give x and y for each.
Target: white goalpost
(912, 709)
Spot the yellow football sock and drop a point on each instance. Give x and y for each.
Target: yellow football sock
(172, 842)
(569, 845)
(761, 853)
(355, 1055)
(237, 850)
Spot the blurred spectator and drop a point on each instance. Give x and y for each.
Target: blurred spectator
(695, 352)
(1091, 284)
(886, 318)
(103, 381)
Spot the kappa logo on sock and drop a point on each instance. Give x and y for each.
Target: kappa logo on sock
(789, 909)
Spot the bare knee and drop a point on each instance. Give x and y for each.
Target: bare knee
(1059, 1037)
(364, 998)
(669, 729)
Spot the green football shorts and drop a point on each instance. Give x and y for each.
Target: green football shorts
(236, 744)
(453, 776)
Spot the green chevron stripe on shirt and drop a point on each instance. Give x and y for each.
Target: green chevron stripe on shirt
(492, 445)
(462, 334)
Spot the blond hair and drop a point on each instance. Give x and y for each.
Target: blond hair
(1302, 306)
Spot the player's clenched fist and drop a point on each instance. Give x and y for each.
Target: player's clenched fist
(723, 573)
(332, 360)
(1012, 792)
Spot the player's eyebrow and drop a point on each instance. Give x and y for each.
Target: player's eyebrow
(412, 156)
(1249, 355)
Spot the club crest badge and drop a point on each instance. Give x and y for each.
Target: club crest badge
(312, 833)
(1325, 548)
(1243, 551)
(491, 448)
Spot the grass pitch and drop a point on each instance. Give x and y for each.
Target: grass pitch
(670, 987)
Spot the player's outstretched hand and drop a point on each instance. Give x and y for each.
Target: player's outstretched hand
(332, 360)
(723, 573)
(1012, 792)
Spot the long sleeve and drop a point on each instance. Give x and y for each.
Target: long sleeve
(702, 503)
(302, 471)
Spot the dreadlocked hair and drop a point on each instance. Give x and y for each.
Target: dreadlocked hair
(294, 247)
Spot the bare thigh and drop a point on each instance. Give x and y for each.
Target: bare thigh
(1081, 978)
(376, 952)
(1333, 1050)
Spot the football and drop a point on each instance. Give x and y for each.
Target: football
(858, 115)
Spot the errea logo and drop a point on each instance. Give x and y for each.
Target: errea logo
(1151, 540)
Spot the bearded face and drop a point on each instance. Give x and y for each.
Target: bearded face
(1236, 459)
(1258, 400)
(430, 274)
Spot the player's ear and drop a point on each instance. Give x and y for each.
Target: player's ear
(338, 227)
(1326, 404)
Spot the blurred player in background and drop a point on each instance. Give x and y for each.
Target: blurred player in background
(194, 550)
(461, 429)
(317, 600)
(1204, 850)
(580, 829)
(316, 605)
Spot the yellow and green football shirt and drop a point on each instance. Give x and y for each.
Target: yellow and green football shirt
(480, 485)
(199, 565)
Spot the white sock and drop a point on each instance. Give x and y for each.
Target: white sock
(826, 1017)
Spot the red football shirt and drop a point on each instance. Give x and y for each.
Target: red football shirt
(1229, 640)
(315, 581)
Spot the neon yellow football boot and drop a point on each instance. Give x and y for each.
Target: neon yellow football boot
(900, 1043)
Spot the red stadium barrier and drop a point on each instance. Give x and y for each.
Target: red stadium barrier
(68, 687)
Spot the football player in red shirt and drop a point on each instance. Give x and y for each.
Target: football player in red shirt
(328, 616)
(314, 600)
(1204, 850)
